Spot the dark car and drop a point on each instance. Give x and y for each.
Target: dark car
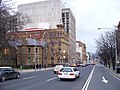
(8, 73)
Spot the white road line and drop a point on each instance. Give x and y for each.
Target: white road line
(30, 77)
(85, 87)
(51, 79)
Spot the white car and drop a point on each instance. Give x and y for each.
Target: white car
(68, 73)
(57, 68)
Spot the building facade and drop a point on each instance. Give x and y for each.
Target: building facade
(81, 48)
(44, 14)
(57, 41)
(32, 53)
(8, 54)
(69, 22)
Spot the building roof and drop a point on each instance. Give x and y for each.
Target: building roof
(30, 42)
(36, 42)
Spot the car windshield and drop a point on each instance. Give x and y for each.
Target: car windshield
(66, 70)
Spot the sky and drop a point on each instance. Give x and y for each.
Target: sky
(91, 15)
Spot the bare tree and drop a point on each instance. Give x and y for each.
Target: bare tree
(10, 20)
(106, 48)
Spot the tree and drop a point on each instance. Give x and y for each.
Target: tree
(10, 21)
(106, 48)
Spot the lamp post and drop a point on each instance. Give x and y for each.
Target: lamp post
(64, 56)
(45, 49)
(115, 44)
(36, 61)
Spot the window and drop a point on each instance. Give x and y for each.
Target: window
(63, 14)
(67, 14)
(29, 50)
(66, 70)
(36, 50)
(75, 69)
(28, 60)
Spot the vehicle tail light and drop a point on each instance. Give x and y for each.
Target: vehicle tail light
(59, 73)
(71, 74)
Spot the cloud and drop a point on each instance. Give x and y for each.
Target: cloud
(92, 14)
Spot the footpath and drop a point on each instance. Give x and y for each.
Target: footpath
(32, 70)
(114, 72)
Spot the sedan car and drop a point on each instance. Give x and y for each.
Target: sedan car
(68, 73)
(57, 68)
(8, 73)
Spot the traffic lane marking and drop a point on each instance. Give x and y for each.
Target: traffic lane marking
(85, 87)
(104, 80)
(36, 76)
(30, 77)
(51, 79)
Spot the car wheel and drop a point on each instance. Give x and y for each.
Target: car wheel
(18, 76)
(3, 78)
(54, 72)
(78, 75)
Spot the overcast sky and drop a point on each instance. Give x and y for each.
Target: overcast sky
(91, 15)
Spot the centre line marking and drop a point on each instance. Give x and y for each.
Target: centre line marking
(85, 87)
(30, 77)
(51, 79)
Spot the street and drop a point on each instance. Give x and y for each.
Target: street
(91, 78)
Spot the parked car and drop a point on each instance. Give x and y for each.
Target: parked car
(57, 68)
(84, 65)
(68, 73)
(8, 73)
(73, 65)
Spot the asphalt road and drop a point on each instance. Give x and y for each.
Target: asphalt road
(91, 78)
(103, 80)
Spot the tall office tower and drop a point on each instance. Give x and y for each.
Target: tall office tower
(68, 20)
(44, 14)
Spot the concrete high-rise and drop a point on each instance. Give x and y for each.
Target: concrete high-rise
(44, 14)
(68, 20)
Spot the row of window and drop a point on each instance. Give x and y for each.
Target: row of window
(67, 14)
(29, 50)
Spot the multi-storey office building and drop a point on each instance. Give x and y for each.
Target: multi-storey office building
(70, 27)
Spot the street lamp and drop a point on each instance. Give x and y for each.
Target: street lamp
(36, 53)
(115, 43)
(64, 56)
(45, 49)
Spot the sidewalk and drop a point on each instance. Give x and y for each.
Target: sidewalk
(32, 70)
(113, 72)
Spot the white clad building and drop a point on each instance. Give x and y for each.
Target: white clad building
(44, 14)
